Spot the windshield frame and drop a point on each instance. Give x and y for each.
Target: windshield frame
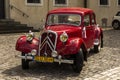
(80, 19)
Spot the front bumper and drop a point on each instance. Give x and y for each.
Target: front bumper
(59, 60)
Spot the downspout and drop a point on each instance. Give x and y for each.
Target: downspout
(7, 9)
(48, 6)
(85, 3)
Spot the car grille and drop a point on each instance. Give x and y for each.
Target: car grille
(47, 43)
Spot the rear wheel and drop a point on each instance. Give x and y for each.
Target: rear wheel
(116, 25)
(25, 63)
(78, 61)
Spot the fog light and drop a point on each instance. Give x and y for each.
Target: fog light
(33, 52)
(54, 54)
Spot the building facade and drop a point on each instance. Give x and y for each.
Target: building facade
(104, 9)
(33, 12)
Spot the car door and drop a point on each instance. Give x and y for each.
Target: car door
(89, 31)
(93, 26)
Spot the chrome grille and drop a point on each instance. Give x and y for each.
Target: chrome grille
(47, 43)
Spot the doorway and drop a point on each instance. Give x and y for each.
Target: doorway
(2, 9)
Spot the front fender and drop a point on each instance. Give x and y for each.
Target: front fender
(24, 46)
(71, 47)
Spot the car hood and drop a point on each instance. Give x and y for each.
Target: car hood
(72, 31)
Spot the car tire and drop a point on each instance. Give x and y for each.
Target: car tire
(98, 47)
(25, 63)
(78, 61)
(116, 25)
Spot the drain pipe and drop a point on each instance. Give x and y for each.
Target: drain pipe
(85, 3)
(48, 5)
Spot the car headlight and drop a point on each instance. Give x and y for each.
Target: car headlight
(30, 36)
(64, 37)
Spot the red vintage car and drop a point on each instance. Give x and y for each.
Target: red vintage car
(68, 35)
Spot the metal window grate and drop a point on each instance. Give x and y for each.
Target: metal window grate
(104, 2)
(33, 1)
(60, 2)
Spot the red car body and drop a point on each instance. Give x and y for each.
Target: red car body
(62, 41)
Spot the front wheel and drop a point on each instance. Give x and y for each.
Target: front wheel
(78, 61)
(25, 63)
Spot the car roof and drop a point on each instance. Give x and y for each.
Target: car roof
(72, 10)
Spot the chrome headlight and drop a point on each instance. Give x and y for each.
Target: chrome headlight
(64, 37)
(30, 36)
(33, 52)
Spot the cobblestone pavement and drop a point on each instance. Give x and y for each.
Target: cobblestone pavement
(102, 66)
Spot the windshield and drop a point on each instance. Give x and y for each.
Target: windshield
(118, 14)
(69, 19)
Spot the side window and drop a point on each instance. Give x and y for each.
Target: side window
(86, 20)
(93, 19)
(118, 14)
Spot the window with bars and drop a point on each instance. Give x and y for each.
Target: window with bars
(34, 2)
(60, 2)
(104, 2)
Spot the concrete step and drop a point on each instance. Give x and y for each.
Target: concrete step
(13, 31)
(6, 20)
(9, 23)
(11, 26)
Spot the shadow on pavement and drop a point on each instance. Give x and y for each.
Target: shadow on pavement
(43, 69)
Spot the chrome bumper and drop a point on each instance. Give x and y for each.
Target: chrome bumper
(55, 60)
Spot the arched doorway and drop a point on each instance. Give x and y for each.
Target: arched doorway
(2, 9)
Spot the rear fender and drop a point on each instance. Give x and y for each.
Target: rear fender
(24, 46)
(98, 35)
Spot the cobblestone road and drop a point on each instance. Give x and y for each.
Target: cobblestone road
(102, 66)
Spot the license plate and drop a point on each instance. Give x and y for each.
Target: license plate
(44, 59)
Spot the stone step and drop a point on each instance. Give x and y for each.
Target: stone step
(13, 31)
(11, 26)
(19, 27)
(6, 20)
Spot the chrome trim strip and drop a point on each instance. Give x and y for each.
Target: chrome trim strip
(64, 61)
(24, 57)
(55, 60)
